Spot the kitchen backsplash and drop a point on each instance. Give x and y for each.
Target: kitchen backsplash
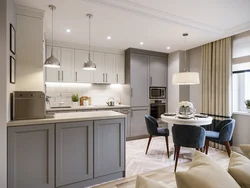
(62, 92)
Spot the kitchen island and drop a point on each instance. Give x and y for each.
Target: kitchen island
(70, 150)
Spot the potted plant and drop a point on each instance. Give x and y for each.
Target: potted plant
(75, 100)
(247, 103)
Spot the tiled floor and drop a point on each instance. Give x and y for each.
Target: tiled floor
(156, 164)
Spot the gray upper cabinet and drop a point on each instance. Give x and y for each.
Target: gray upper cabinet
(31, 156)
(139, 78)
(74, 152)
(109, 146)
(138, 125)
(158, 71)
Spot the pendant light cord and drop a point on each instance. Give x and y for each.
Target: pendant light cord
(52, 31)
(89, 35)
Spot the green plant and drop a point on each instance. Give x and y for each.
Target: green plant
(247, 103)
(75, 98)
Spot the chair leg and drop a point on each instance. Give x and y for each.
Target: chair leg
(206, 146)
(149, 140)
(201, 150)
(166, 138)
(177, 156)
(227, 144)
(174, 152)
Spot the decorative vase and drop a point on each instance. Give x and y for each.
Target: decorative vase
(75, 104)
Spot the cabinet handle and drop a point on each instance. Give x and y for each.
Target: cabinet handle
(117, 78)
(151, 79)
(62, 75)
(58, 75)
(131, 92)
(103, 78)
(106, 77)
(76, 76)
(131, 113)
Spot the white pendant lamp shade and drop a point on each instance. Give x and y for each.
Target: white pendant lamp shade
(89, 65)
(52, 61)
(186, 78)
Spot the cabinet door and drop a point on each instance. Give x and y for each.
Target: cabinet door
(139, 80)
(120, 69)
(100, 72)
(67, 64)
(109, 146)
(82, 76)
(31, 156)
(158, 71)
(53, 74)
(74, 152)
(138, 125)
(110, 68)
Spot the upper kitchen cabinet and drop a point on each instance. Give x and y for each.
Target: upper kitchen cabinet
(66, 72)
(100, 72)
(119, 69)
(158, 71)
(110, 68)
(53, 74)
(67, 65)
(82, 76)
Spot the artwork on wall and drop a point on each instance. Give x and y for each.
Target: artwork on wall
(12, 70)
(12, 39)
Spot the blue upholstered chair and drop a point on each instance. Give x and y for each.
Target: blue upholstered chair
(187, 136)
(154, 130)
(223, 134)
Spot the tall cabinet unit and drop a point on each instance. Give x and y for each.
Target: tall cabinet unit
(143, 69)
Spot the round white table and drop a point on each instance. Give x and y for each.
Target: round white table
(193, 121)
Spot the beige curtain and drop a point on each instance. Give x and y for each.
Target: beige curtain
(216, 79)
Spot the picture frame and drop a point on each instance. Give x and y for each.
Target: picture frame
(12, 39)
(12, 70)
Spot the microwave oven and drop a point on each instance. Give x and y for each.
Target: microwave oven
(157, 92)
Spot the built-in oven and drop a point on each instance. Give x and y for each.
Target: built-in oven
(157, 92)
(157, 108)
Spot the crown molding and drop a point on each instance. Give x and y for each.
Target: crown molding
(156, 14)
(28, 11)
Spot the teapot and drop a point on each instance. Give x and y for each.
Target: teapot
(111, 102)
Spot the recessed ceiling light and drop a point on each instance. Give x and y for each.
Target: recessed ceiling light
(68, 30)
(141, 43)
(108, 37)
(168, 48)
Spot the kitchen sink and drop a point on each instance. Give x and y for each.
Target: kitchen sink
(60, 107)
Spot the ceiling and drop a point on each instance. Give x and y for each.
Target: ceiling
(158, 23)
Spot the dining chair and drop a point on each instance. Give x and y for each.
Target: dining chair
(187, 136)
(222, 133)
(154, 130)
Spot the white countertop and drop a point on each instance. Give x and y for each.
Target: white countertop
(94, 107)
(192, 121)
(70, 117)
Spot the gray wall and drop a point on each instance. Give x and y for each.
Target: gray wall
(7, 16)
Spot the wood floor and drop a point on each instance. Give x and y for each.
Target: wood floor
(155, 164)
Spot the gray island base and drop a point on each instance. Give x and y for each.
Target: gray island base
(72, 150)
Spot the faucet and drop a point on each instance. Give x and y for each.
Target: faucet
(47, 99)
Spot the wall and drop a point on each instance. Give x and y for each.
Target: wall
(194, 58)
(183, 67)
(7, 16)
(99, 94)
(29, 49)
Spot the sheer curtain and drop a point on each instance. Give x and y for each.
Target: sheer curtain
(216, 79)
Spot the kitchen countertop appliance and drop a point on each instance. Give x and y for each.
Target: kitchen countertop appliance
(157, 92)
(28, 105)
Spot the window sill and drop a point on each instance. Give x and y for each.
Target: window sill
(241, 113)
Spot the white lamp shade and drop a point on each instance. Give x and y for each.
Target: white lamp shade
(186, 78)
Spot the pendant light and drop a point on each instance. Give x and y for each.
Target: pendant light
(89, 65)
(185, 78)
(52, 61)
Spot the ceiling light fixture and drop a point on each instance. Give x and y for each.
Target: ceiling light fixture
(108, 37)
(68, 30)
(168, 48)
(141, 43)
(185, 78)
(52, 61)
(89, 65)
